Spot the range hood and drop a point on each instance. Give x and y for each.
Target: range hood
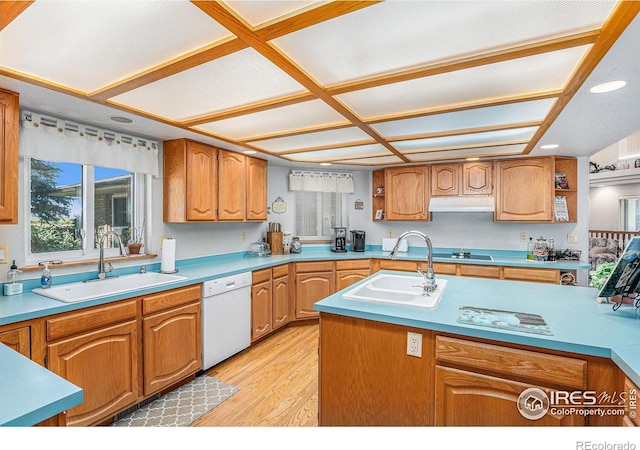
(461, 204)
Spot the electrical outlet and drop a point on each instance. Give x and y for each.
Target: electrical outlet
(573, 238)
(414, 344)
(524, 237)
(244, 235)
(389, 233)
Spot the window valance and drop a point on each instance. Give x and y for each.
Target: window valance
(55, 139)
(321, 181)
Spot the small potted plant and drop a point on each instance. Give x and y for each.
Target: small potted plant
(134, 243)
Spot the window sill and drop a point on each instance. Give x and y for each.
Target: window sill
(88, 262)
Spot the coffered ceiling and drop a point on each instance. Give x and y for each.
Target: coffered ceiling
(360, 83)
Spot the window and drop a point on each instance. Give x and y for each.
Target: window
(318, 212)
(630, 213)
(73, 205)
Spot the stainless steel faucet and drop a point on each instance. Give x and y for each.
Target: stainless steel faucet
(429, 278)
(102, 272)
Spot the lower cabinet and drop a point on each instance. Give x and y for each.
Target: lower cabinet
(18, 339)
(172, 344)
(314, 281)
(351, 271)
(97, 350)
(269, 300)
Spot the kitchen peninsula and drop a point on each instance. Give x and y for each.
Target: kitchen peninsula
(471, 374)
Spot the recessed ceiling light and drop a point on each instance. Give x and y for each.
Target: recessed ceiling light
(473, 158)
(249, 152)
(121, 119)
(549, 146)
(325, 164)
(607, 87)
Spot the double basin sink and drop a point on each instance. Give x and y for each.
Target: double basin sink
(88, 290)
(406, 290)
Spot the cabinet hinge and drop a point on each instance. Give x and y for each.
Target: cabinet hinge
(46, 361)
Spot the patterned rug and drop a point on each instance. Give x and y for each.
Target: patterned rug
(181, 407)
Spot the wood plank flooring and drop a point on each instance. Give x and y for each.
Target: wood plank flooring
(278, 382)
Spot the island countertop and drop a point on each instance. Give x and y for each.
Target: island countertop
(578, 322)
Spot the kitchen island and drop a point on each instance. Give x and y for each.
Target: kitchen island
(471, 374)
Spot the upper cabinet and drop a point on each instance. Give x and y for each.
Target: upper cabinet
(526, 190)
(10, 115)
(203, 183)
(455, 179)
(402, 193)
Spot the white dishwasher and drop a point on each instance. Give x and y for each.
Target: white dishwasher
(226, 317)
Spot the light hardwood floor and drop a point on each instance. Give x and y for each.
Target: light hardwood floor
(278, 382)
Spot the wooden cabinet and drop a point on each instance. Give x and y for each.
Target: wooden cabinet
(479, 384)
(351, 271)
(477, 178)
(445, 180)
(269, 300)
(402, 193)
(9, 125)
(18, 339)
(526, 190)
(314, 281)
(190, 181)
(172, 337)
(97, 350)
(203, 183)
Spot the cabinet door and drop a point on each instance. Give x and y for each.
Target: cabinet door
(18, 339)
(9, 120)
(524, 190)
(172, 346)
(202, 182)
(232, 188)
(468, 399)
(445, 180)
(310, 288)
(104, 364)
(345, 278)
(280, 305)
(256, 189)
(477, 178)
(407, 193)
(261, 309)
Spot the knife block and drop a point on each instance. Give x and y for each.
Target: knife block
(276, 242)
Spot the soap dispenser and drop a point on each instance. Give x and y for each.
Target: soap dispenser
(13, 281)
(45, 279)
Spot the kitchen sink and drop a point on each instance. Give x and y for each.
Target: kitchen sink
(88, 290)
(397, 289)
(465, 255)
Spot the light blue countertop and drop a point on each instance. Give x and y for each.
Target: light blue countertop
(578, 322)
(17, 399)
(29, 393)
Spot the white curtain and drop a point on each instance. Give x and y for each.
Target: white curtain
(321, 181)
(54, 139)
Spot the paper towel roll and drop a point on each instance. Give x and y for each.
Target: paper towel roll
(168, 264)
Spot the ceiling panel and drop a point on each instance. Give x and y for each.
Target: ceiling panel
(399, 35)
(493, 151)
(342, 153)
(477, 139)
(92, 44)
(500, 80)
(303, 115)
(467, 119)
(310, 140)
(259, 12)
(382, 160)
(208, 88)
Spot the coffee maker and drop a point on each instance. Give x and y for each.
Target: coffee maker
(357, 240)
(339, 239)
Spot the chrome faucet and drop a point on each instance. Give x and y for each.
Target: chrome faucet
(429, 278)
(102, 272)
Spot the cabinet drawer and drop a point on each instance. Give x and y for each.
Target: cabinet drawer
(260, 276)
(168, 299)
(90, 319)
(353, 264)
(444, 268)
(547, 369)
(406, 266)
(524, 274)
(471, 270)
(316, 266)
(280, 271)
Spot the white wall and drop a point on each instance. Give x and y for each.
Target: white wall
(604, 212)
